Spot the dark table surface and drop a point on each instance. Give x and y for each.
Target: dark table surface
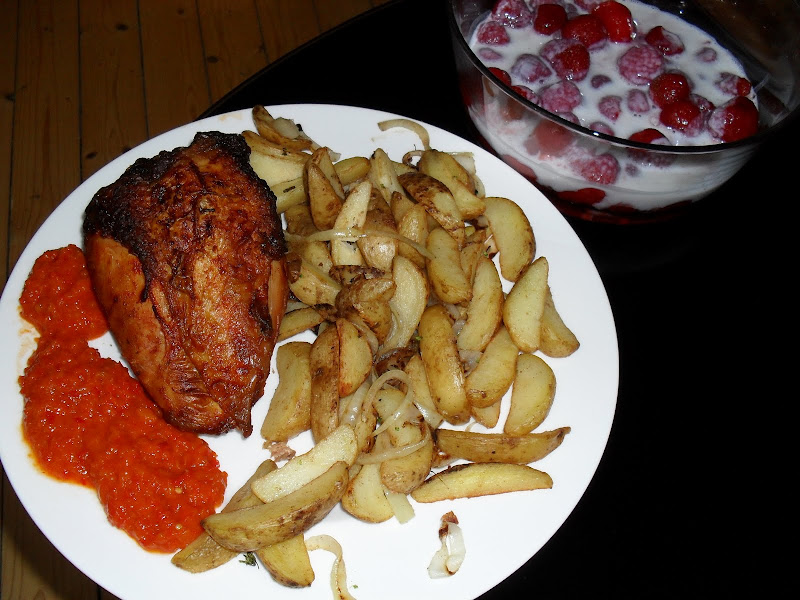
(681, 505)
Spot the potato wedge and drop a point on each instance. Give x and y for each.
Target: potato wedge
(438, 202)
(475, 479)
(280, 131)
(339, 446)
(204, 553)
(524, 306)
(365, 498)
(485, 310)
(499, 447)
(289, 410)
(297, 321)
(249, 529)
(445, 168)
(413, 225)
(288, 562)
(309, 284)
(556, 339)
(352, 215)
(442, 364)
(383, 175)
(531, 395)
(415, 369)
(408, 302)
(272, 162)
(379, 251)
(489, 416)
(324, 367)
(447, 277)
(355, 357)
(492, 377)
(513, 235)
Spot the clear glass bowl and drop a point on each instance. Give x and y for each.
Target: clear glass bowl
(659, 181)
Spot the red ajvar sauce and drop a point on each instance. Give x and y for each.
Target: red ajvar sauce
(89, 422)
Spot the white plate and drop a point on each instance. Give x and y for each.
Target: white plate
(386, 560)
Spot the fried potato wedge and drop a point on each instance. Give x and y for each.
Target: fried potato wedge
(272, 162)
(447, 277)
(408, 302)
(442, 364)
(339, 446)
(324, 367)
(204, 553)
(531, 395)
(352, 215)
(297, 321)
(524, 306)
(445, 168)
(309, 284)
(492, 377)
(438, 202)
(289, 410)
(253, 528)
(556, 339)
(415, 369)
(365, 498)
(355, 357)
(288, 562)
(513, 235)
(281, 131)
(383, 176)
(485, 310)
(480, 479)
(499, 447)
(489, 416)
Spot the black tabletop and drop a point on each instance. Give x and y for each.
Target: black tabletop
(676, 508)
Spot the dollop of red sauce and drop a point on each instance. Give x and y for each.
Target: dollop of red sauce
(88, 421)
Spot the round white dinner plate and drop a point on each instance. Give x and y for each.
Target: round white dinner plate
(384, 561)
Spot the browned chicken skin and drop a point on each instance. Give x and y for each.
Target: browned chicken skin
(187, 258)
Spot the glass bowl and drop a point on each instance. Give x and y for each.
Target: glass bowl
(635, 181)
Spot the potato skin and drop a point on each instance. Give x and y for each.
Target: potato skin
(187, 259)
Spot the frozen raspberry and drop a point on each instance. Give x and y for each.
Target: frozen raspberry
(501, 75)
(704, 104)
(560, 97)
(587, 195)
(489, 54)
(601, 127)
(493, 33)
(637, 102)
(669, 87)
(569, 58)
(640, 64)
(519, 167)
(549, 18)
(526, 93)
(733, 84)
(549, 138)
(602, 169)
(735, 120)
(679, 115)
(610, 107)
(668, 43)
(587, 29)
(706, 55)
(617, 19)
(512, 13)
(569, 116)
(599, 81)
(530, 69)
(646, 157)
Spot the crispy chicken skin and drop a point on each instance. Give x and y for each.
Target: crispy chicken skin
(187, 258)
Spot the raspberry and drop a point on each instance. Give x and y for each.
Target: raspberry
(560, 97)
(601, 127)
(549, 138)
(610, 107)
(569, 58)
(669, 87)
(512, 13)
(617, 19)
(589, 5)
(734, 120)
(602, 169)
(640, 64)
(549, 18)
(489, 54)
(519, 167)
(530, 69)
(704, 104)
(679, 114)
(526, 93)
(599, 81)
(637, 102)
(501, 75)
(668, 43)
(733, 84)
(587, 29)
(493, 34)
(646, 157)
(706, 55)
(587, 195)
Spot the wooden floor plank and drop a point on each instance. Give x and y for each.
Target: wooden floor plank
(331, 14)
(176, 85)
(286, 24)
(8, 50)
(232, 43)
(112, 87)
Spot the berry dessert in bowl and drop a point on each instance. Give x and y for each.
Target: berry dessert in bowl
(626, 111)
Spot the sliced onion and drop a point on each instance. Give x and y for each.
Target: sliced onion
(399, 452)
(353, 235)
(376, 387)
(403, 511)
(338, 570)
(450, 556)
(411, 126)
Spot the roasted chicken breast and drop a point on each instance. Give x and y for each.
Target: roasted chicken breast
(187, 258)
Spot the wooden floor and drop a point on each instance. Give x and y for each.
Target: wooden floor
(82, 81)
